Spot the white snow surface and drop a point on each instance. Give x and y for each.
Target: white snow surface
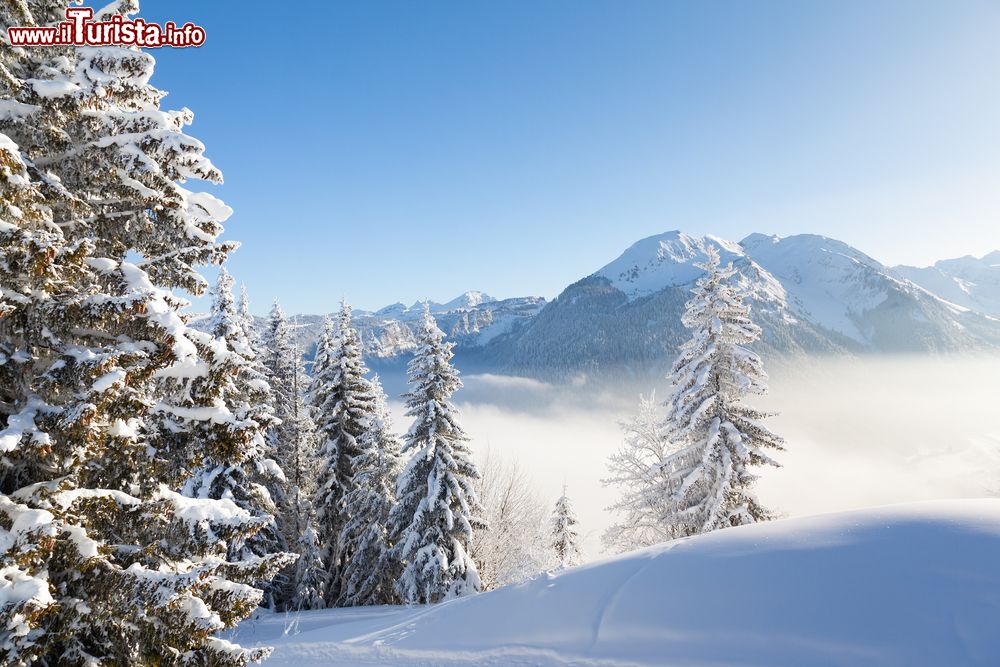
(909, 585)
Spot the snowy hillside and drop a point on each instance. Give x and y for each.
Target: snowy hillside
(900, 585)
(966, 281)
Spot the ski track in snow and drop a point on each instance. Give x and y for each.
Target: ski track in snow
(912, 585)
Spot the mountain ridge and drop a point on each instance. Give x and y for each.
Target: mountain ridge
(809, 293)
(969, 282)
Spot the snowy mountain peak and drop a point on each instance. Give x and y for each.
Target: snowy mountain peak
(757, 239)
(393, 310)
(814, 281)
(464, 301)
(471, 299)
(664, 260)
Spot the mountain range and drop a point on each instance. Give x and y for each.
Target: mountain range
(810, 294)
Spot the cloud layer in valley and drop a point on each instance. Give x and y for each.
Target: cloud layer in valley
(860, 432)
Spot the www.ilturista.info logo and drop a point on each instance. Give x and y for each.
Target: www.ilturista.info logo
(79, 30)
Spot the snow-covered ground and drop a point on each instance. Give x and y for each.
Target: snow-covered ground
(910, 585)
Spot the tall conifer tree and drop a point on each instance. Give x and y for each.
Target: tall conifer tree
(291, 442)
(436, 508)
(691, 472)
(343, 404)
(369, 576)
(719, 438)
(244, 475)
(103, 388)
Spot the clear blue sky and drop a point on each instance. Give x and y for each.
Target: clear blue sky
(404, 150)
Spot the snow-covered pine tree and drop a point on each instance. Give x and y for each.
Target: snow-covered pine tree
(102, 562)
(343, 405)
(310, 572)
(256, 353)
(291, 442)
(717, 439)
(565, 539)
(247, 322)
(646, 504)
(437, 508)
(370, 574)
(267, 472)
(245, 474)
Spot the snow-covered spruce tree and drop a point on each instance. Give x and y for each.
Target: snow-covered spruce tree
(267, 471)
(513, 543)
(248, 332)
(291, 443)
(646, 504)
(369, 575)
(343, 405)
(437, 508)
(245, 474)
(102, 562)
(565, 539)
(717, 439)
(310, 572)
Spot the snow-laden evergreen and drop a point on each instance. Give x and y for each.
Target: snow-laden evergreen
(104, 392)
(267, 472)
(369, 575)
(245, 475)
(718, 437)
(690, 473)
(291, 439)
(565, 538)
(436, 507)
(309, 581)
(292, 442)
(343, 405)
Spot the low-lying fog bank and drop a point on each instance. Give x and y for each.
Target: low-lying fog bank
(860, 432)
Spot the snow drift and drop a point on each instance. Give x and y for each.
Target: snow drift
(901, 585)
